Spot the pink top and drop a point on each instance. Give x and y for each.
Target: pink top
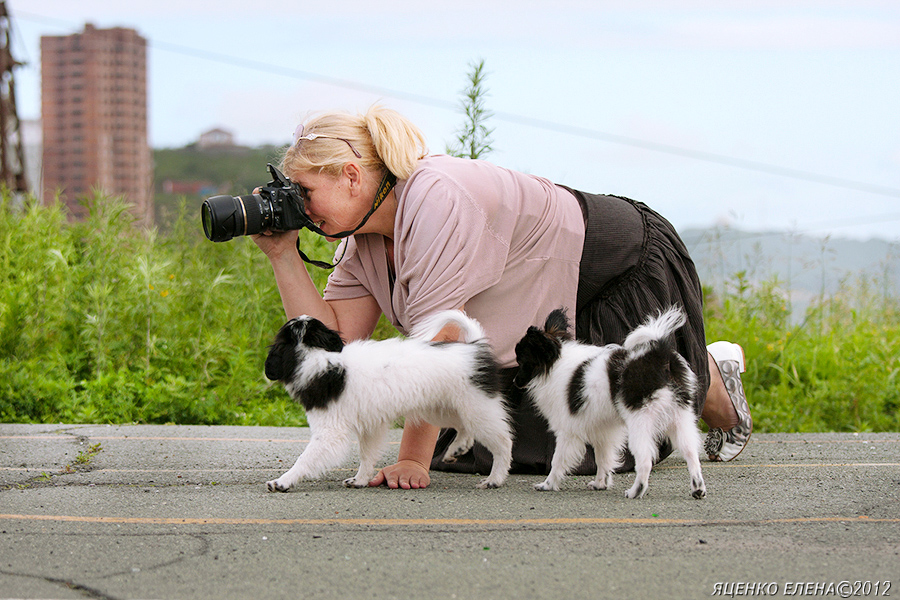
(504, 244)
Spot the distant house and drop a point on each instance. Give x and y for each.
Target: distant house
(189, 188)
(216, 138)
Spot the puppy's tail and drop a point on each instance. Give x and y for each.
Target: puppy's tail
(656, 328)
(431, 326)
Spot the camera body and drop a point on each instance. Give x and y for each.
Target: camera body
(279, 206)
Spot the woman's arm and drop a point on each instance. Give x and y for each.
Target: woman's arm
(354, 319)
(416, 445)
(413, 461)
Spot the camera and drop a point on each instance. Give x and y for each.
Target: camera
(278, 206)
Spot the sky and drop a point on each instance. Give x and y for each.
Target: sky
(760, 115)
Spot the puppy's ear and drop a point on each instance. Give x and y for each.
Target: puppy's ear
(548, 350)
(282, 359)
(317, 335)
(557, 324)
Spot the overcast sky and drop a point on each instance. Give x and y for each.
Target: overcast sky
(762, 114)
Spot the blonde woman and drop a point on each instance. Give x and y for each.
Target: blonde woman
(425, 233)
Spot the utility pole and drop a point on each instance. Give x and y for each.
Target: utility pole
(12, 158)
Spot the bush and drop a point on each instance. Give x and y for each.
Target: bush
(101, 322)
(837, 369)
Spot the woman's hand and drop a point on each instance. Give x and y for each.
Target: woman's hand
(275, 244)
(406, 474)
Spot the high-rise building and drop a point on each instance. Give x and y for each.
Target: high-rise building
(94, 115)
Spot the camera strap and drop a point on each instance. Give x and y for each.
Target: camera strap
(387, 184)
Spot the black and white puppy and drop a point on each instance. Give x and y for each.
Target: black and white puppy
(360, 388)
(638, 393)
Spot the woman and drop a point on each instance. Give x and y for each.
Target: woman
(505, 247)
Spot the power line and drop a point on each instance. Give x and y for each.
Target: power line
(301, 74)
(701, 155)
(584, 132)
(573, 130)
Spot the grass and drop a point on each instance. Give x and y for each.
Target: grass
(85, 458)
(101, 322)
(835, 369)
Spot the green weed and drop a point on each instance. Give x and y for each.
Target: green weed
(85, 457)
(101, 322)
(836, 369)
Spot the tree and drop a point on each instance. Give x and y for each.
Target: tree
(473, 139)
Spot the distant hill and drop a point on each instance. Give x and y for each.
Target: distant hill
(806, 265)
(197, 173)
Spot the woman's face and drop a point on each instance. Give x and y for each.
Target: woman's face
(330, 202)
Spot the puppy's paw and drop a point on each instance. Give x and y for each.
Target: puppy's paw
(487, 484)
(353, 483)
(698, 487)
(637, 491)
(277, 486)
(603, 484)
(457, 450)
(545, 486)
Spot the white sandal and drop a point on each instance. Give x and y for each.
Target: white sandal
(723, 445)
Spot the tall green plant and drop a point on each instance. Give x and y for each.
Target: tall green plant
(836, 369)
(103, 322)
(473, 139)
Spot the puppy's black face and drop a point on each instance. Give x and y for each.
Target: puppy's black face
(294, 340)
(308, 332)
(536, 353)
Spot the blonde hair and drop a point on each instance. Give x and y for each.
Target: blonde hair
(384, 139)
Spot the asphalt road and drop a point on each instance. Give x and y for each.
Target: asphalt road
(182, 512)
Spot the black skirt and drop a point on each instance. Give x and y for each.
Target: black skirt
(633, 265)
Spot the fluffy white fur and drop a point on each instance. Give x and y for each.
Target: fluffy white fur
(360, 388)
(608, 396)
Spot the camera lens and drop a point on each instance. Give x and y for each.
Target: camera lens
(225, 217)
